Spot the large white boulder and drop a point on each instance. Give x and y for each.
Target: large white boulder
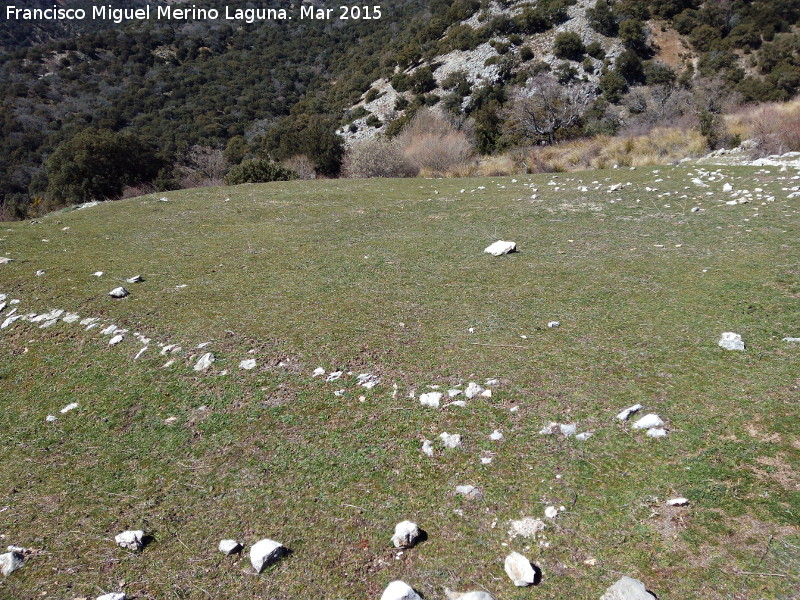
(520, 570)
(10, 562)
(266, 552)
(500, 247)
(205, 362)
(119, 292)
(627, 588)
(406, 534)
(648, 422)
(399, 590)
(131, 539)
(731, 341)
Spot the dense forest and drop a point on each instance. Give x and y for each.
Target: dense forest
(179, 94)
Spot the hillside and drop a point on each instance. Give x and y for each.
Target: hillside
(643, 270)
(278, 90)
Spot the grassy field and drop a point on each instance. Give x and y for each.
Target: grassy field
(388, 277)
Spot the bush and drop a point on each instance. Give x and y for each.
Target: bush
(258, 170)
(569, 45)
(373, 121)
(775, 128)
(302, 165)
(525, 54)
(433, 143)
(376, 158)
(595, 50)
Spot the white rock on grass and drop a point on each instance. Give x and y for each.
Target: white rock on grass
(140, 352)
(69, 407)
(427, 447)
(582, 437)
(51, 418)
(627, 588)
(553, 324)
(399, 590)
(792, 340)
(476, 595)
(119, 292)
(470, 491)
(131, 539)
(266, 552)
(318, 371)
(625, 414)
(135, 279)
(406, 534)
(71, 318)
(336, 375)
(731, 341)
(10, 562)
(431, 399)
(205, 362)
(657, 432)
(678, 502)
(500, 247)
(453, 393)
(549, 429)
(473, 389)
(520, 570)
(496, 436)
(527, 527)
(116, 340)
(648, 422)
(113, 596)
(568, 430)
(97, 274)
(368, 380)
(551, 512)
(248, 364)
(228, 547)
(450, 440)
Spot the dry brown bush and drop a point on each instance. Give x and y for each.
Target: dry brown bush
(301, 165)
(377, 158)
(204, 167)
(775, 128)
(435, 144)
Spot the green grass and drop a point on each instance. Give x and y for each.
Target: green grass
(323, 274)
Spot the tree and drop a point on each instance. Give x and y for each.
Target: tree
(544, 109)
(569, 45)
(97, 164)
(603, 19)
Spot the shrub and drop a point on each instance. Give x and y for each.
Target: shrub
(569, 45)
(525, 54)
(433, 143)
(373, 121)
(595, 50)
(258, 170)
(376, 158)
(775, 128)
(302, 165)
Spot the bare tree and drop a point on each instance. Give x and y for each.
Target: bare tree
(544, 107)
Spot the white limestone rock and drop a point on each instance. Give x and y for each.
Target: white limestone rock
(51, 418)
(553, 324)
(582, 437)
(450, 440)
(113, 596)
(731, 341)
(116, 340)
(431, 399)
(625, 414)
(627, 588)
(568, 430)
(427, 447)
(496, 435)
(792, 340)
(648, 422)
(10, 562)
(657, 432)
(97, 274)
(520, 570)
(678, 502)
(551, 512)
(399, 590)
(473, 389)
(119, 292)
(266, 552)
(454, 392)
(500, 247)
(135, 279)
(69, 407)
(318, 371)
(70, 318)
(228, 547)
(248, 364)
(406, 534)
(470, 491)
(336, 375)
(527, 527)
(131, 539)
(476, 595)
(205, 362)
(140, 352)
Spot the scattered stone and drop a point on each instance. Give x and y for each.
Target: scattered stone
(470, 491)
(119, 292)
(427, 447)
(648, 422)
(399, 590)
(318, 371)
(334, 376)
(582, 437)
(4, 260)
(228, 547)
(97, 274)
(625, 414)
(473, 389)
(338, 393)
(135, 279)
(486, 460)
(431, 399)
(69, 407)
(551, 512)
(477, 595)
(793, 340)
(553, 324)
(205, 362)
(368, 380)
(695, 209)
(10, 562)
(113, 596)
(657, 432)
(39, 273)
(486, 394)
(491, 382)
(727, 187)
(678, 502)
(520, 570)
(406, 534)
(170, 348)
(116, 340)
(500, 247)
(548, 429)
(731, 341)
(70, 318)
(140, 352)
(266, 552)
(450, 440)
(248, 364)
(627, 588)
(496, 436)
(568, 430)
(527, 527)
(131, 539)
(454, 392)
(51, 418)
